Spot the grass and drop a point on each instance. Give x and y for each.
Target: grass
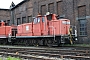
(0, 58)
(13, 58)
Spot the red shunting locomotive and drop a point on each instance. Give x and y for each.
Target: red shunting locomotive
(44, 30)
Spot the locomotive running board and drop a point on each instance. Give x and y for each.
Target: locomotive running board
(3, 37)
(32, 36)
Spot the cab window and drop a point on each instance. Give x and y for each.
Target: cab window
(37, 20)
(49, 17)
(43, 19)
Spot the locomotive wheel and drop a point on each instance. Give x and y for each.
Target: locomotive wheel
(26, 43)
(41, 42)
(3, 41)
(50, 42)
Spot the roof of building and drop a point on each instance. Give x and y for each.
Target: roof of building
(15, 5)
(4, 9)
(19, 4)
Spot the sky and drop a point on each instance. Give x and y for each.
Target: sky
(5, 4)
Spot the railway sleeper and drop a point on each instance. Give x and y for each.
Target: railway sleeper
(52, 54)
(27, 56)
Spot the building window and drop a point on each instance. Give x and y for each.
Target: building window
(82, 12)
(51, 7)
(29, 19)
(59, 8)
(8, 22)
(82, 20)
(18, 21)
(43, 9)
(23, 20)
(83, 27)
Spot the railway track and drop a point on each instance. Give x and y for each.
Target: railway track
(46, 53)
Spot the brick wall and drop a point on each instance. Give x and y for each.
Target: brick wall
(82, 9)
(22, 11)
(4, 14)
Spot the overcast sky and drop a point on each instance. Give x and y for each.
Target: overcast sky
(6, 3)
